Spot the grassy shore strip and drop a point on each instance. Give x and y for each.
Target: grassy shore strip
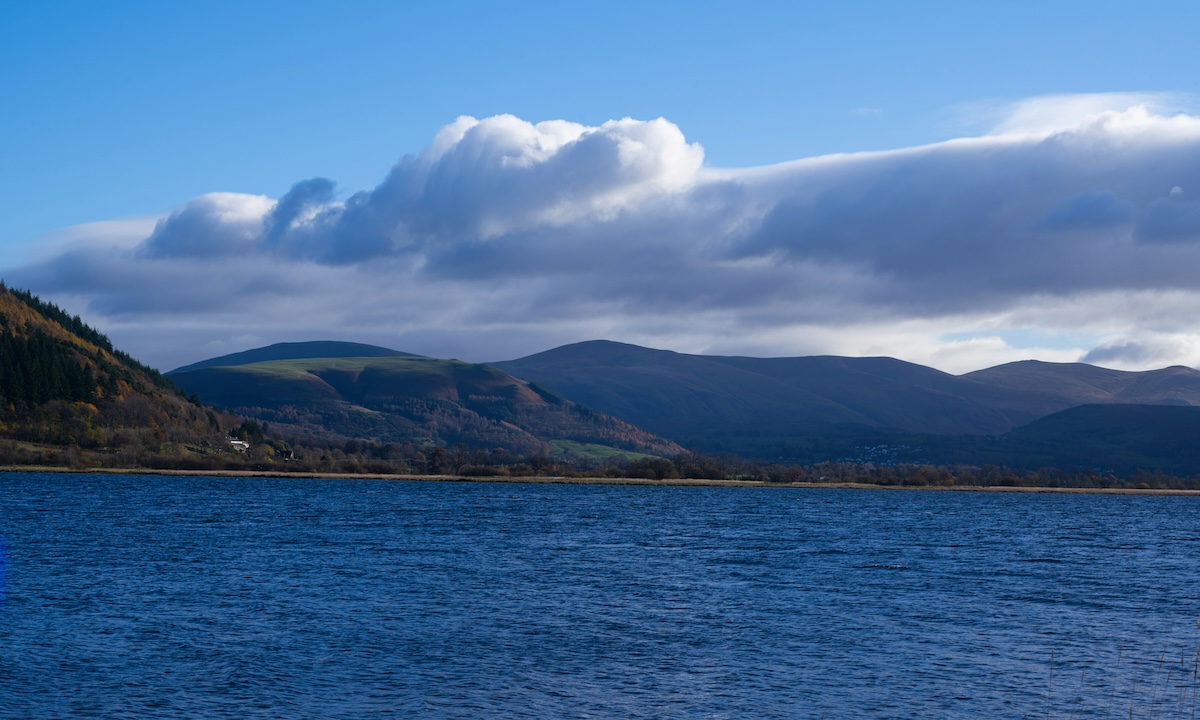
(677, 482)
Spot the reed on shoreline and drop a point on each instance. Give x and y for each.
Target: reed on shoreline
(1139, 685)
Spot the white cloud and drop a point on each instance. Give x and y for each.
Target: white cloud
(1046, 115)
(121, 233)
(212, 225)
(504, 237)
(1054, 113)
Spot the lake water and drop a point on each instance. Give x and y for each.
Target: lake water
(134, 597)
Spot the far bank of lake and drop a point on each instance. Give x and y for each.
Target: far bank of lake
(564, 480)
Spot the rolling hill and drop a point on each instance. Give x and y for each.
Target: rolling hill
(691, 396)
(410, 399)
(807, 408)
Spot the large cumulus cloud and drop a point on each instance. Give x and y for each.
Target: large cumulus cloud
(1080, 220)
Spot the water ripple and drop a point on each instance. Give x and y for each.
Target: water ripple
(247, 598)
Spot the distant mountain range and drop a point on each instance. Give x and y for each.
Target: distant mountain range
(802, 409)
(693, 398)
(811, 409)
(67, 396)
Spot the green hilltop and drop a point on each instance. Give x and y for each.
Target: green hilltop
(296, 351)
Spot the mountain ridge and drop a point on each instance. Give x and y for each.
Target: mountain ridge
(704, 400)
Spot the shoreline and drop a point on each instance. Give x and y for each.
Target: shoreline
(550, 480)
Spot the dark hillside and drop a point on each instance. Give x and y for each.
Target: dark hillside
(694, 397)
(888, 393)
(678, 395)
(808, 409)
(1122, 438)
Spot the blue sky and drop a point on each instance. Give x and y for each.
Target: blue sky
(135, 110)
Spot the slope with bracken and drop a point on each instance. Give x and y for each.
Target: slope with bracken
(409, 399)
(67, 394)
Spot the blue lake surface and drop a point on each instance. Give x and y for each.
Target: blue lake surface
(134, 597)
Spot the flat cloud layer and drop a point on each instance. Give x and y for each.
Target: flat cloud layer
(1075, 222)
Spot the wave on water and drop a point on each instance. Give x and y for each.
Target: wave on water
(313, 599)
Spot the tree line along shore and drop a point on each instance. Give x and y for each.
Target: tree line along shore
(274, 457)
